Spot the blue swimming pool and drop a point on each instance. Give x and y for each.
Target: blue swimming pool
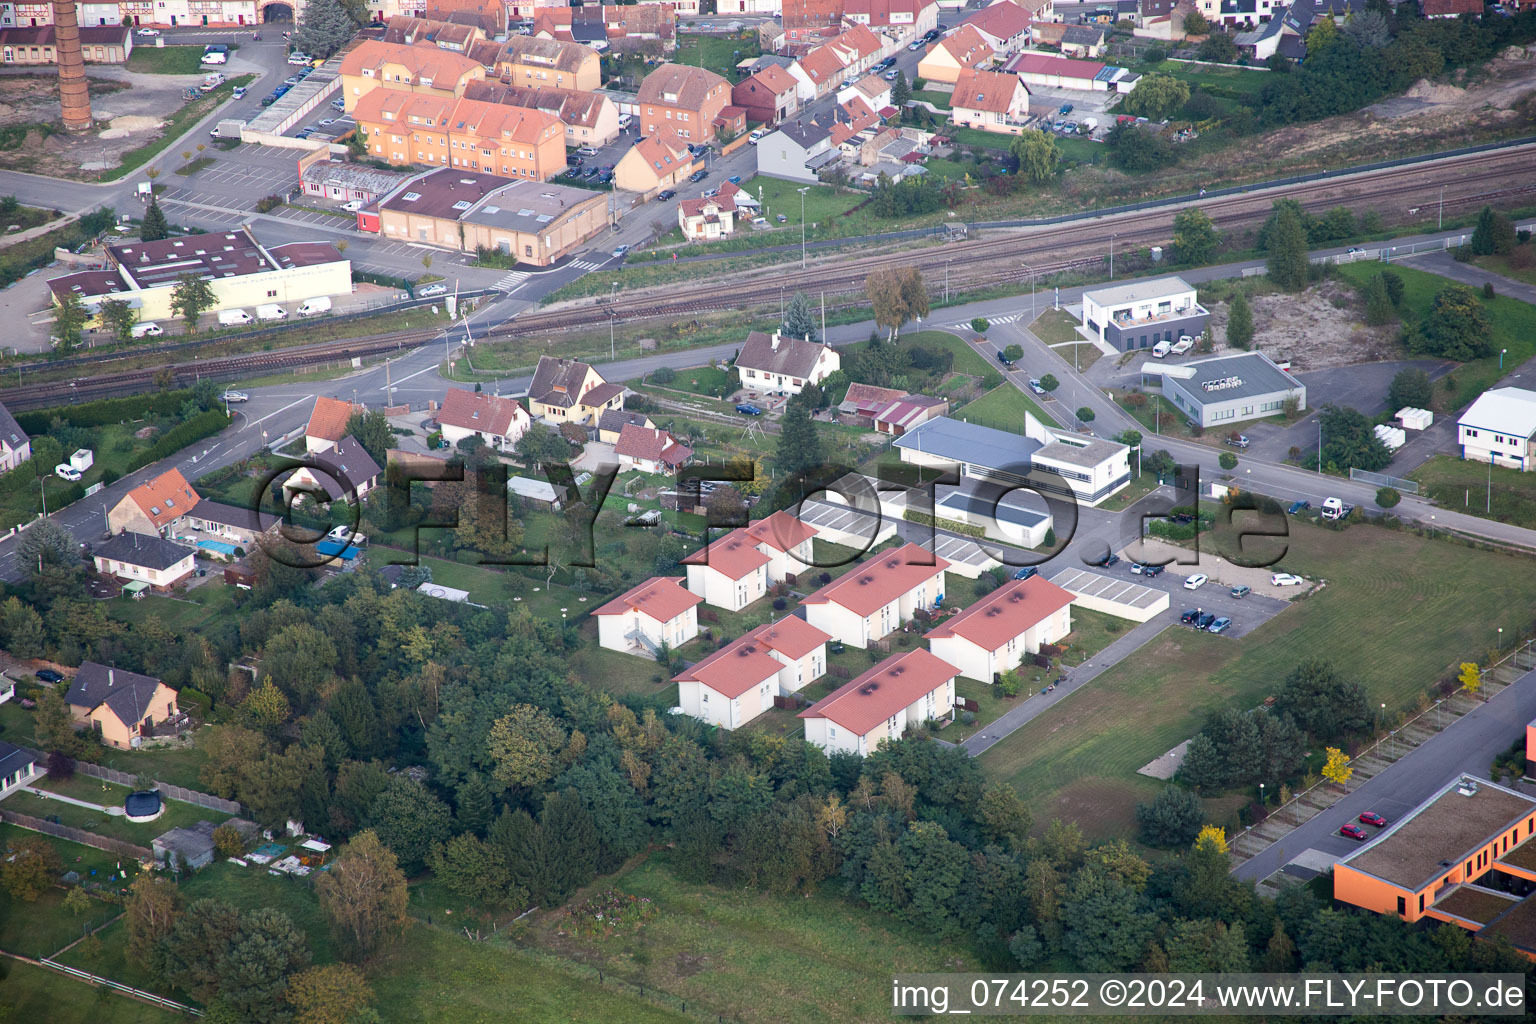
(218, 546)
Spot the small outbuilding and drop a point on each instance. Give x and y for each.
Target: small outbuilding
(184, 849)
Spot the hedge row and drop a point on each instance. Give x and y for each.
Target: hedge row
(105, 410)
(204, 424)
(924, 519)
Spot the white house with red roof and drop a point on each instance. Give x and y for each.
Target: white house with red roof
(996, 633)
(872, 599)
(731, 573)
(155, 507)
(659, 611)
(1004, 25)
(787, 543)
(709, 218)
(499, 422)
(777, 362)
(903, 691)
(327, 423)
(650, 450)
(739, 681)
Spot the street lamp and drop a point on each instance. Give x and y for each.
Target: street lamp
(1440, 224)
(1111, 257)
(946, 287)
(1031, 270)
(1502, 351)
(802, 192)
(611, 352)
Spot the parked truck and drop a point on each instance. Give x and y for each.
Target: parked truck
(1090, 125)
(83, 459)
(1335, 509)
(229, 128)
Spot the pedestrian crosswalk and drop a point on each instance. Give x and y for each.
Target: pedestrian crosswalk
(584, 265)
(1006, 318)
(511, 281)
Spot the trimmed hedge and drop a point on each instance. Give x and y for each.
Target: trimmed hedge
(105, 410)
(204, 424)
(924, 519)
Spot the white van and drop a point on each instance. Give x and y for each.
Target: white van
(148, 329)
(233, 317)
(1161, 348)
(271, 311)
(311, 307)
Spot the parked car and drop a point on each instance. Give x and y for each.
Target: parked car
(619, 251)
(1026, 572)
(1036, 386)
(1003, 359)
(1066, 108)
(238, 92)
(604, 176)
(1136, 568)
(588, 151)
(1241, 591)
(147, 33)
(891, 76)
(1238, 441)
(48, 675)
(1285, 579)
(293, 80)
(1189, 617)
(64, 471)
(352, 205)
(1219, 626)
(1205, 620)
(1152, 571)
(698, 176)
(747, 409)
(1107, 561)
(432, 289)
(1355, 832)
(665, 194)
(1372, 818)
(755, 137)
(298, 59)
(1298, 507)
(1196, 581)
(734, 179)
(917, 45)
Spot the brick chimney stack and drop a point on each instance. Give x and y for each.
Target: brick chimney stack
(74, 94)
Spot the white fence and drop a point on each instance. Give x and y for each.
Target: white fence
(117, 986)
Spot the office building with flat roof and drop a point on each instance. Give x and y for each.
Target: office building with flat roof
(1227, 389)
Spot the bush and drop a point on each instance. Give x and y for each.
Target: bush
(1388, 497)
(267, 204)
(203, 425)
(664, 375)
(106, 410)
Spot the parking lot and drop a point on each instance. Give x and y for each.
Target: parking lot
(606, 156)
(1247, 613)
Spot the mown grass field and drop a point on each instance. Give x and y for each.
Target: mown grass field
(167, 60)
(44, 926)
(1469, 486)
(176, 815)
(1003, 408)
(967, 359)
(1512, 323)
(1424, 605)
(752, 957)
(38, 994)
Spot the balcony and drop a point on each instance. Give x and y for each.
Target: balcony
(1193, 309)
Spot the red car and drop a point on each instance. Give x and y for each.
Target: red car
(1353, 831)
(1372, 818)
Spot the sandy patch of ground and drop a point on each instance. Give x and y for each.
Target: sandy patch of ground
(1221, 571)
(1510, 78)
(1315, 330)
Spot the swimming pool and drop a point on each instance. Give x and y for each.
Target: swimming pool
(217, 546)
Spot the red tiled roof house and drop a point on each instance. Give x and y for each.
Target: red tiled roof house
(327, 424)
(499, 422)
(770, 96)
(650, 450)
(739, 681)
(872, 599)
(994, 634)
(787, 543)
(155, 507)
(730, 573)
(904, 690)
(659, 611)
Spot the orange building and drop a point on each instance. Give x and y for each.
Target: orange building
(513, 142)
(685, 99)
(1463, 857)
(421, 69)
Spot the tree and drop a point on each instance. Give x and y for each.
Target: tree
(1171, 819)
(1495, 233)
(901, 91)
(1239, 322)
(45, 542)
(1287, 249)
(118, 317)
(154, 227)
(1378, 304)
(55, 726)
(1037, 155)
(1350, 441)
(409, 818)
(1322, 701)
(1369, 29)
(800, 319)
(979, 324)
(332, 994)
(21, 629)
(191, 298)
(1337, 769)
(1109, 924)
(1471, 678)
(363, 894)
(76, 901)
(1195, 24)
(31, 868)
(524, 745)
(254, 971)
(324, 28)
(1049, 383)
(1218, 48)
(1195, 238)
(1227, 461)
(1135, 148)
(896, 296)
(1388, 497)
(1456, 326)
(473, 870)
(372, 430)
(1212, 838)
(540, 446)
(265, 708)
(70, 316)
(1085, 415)
(1156, 97)
(1013, 353)
(799, 447)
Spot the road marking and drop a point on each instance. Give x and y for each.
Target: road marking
(584, 265)
(511, 281)
(269, 415)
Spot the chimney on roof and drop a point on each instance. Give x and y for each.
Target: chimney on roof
(111, 676)
(774, 341)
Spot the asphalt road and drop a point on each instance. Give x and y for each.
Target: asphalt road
(1466, 745)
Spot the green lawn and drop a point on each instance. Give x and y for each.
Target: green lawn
(1520, 267)
(621, 674)
(1213, 78)
(967, 359)
(934, 96)
(751, 957)
(1425, 605)
(38, 994)
(45, 926)
(167, 60)
(183, 612)
(1003, 408)
(1467, 487)
(1513, 326)
(176, 764)
(177, 815)
(717, 53)
(709, 381)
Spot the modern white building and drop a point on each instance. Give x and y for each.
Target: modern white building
(1139, 314)
(774, 362)
(659, 611)
(996, 633)
(730, 573)
(1500, 427)
(739, 681)
(1225, 390)
(903, 691)
(873, 599)
(796, 150)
